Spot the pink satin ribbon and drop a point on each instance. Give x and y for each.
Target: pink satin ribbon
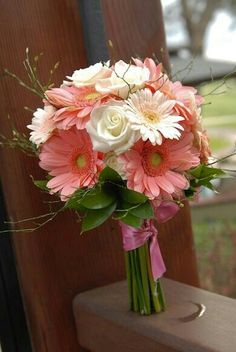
(165, 211)
(134, 238)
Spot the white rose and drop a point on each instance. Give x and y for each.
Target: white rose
(125, 79)
(90, 75)
(109, 128)
(112, 161)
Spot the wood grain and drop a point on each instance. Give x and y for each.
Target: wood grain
(55, 263)
(104, 323)
(135, 29)
(178, 249)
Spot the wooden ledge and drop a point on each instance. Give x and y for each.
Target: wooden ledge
(104, 323)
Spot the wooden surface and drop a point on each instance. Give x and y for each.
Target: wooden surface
(135, 29)
(105, 324)
(55, 263)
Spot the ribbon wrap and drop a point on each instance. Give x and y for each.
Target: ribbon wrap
(136, 237)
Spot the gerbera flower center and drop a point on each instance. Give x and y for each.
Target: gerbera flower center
(155, 159)
(87, 96)
(92, 96)
(81, 161)
(151, 116)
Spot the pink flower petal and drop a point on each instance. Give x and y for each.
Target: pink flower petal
(63, 166)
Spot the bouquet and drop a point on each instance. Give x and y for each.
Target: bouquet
(124, 141)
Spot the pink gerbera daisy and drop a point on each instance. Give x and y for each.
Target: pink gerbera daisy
(158, 171)
(70, 159)
(42, 125)
(74, 105)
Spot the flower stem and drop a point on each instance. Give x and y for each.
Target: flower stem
(161, 295)
(129, 278)
(153, 285)
(144, 276)
(145, 294)
(137, 275)
(135, 305)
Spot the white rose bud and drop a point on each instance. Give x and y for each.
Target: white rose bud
(109, 128)
(90, 75)
(112, 161)
(125, 79)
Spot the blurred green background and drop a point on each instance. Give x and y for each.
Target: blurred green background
(214, 218)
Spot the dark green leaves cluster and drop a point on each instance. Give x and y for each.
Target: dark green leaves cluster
(202, 175)
(109, 196)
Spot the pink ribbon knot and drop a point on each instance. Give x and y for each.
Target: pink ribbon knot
(136, 237)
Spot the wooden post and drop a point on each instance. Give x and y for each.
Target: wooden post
(55, 263)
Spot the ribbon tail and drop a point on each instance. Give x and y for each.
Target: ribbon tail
(157, 263)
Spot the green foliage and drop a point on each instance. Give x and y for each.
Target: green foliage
(74, 202)
(110, 175)
(132, 196)
(108, 196)
(203, 171)
(131, 220)
(94, 218)
(41, 184)
(98, 198)
(143, 211)
(202, 175)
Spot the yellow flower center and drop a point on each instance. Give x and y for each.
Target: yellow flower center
(151, 116)
(81, 161)
(155, 159)
(92, 96)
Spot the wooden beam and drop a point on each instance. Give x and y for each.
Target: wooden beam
(135, 29)
(94, 31)
(104, 323)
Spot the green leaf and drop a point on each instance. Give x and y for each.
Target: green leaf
(203, 171)
(132, 197)
(189, 193)
(42, 184)
(196, 172)
(209, 185)
(144, 211)
(109, 174)
(132, 220)
(74, 201)
(98, 198)
(94, 218)
(75, 204)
